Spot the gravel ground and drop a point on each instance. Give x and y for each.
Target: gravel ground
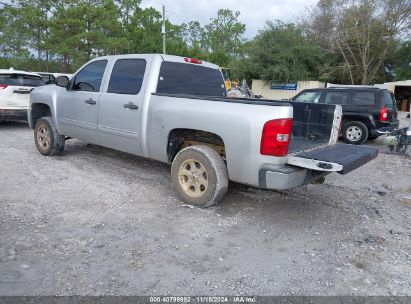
(95, 221)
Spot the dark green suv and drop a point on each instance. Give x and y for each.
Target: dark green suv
(365, 110)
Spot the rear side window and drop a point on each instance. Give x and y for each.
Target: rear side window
(190, 79)
(127, 76)
(21, 80)
(389, 100)
(309, 97)
(90, 77)
(363, 98)
(337, 98)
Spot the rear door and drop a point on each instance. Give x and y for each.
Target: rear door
(121, 103)
(77, 107)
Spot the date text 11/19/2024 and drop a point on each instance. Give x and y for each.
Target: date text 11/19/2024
(203, 299)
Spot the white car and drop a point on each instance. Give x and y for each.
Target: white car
(15, 88)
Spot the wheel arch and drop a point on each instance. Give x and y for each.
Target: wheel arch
(39, 110)
(180, 138)
(366, 119)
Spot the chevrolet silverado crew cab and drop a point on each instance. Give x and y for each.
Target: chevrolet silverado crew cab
(366, 110)
(175, 110)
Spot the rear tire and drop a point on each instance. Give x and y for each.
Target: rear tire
(199, 176)
(355, 132)
(48, 141)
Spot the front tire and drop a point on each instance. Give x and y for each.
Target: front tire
(48, 141)
(355, 132)
(199, 176)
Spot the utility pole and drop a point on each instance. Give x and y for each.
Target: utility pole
(163, 30)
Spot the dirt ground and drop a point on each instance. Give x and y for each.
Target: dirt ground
(95, 221)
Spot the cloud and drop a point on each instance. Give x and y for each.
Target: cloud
(254, 13)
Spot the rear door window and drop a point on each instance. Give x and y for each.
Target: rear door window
(364, 98)
(90, 77)
(190, 79)
(21, 80)
(311, 96)
(337, 98)
(127, 76)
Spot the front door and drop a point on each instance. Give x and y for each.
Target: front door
(78, 106)
(121, 104)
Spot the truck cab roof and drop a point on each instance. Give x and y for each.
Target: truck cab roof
(170, 58)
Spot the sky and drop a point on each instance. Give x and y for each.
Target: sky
(254, 13)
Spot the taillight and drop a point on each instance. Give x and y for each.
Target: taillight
(192, 60)
(276, 137)
(384, 114)
(3, 86)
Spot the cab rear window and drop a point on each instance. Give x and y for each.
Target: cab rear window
(21, 80)
(190, 79)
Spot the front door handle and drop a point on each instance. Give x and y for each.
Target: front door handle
(130, 106)
(90, 101)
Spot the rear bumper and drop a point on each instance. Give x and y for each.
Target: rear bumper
(11, 115)
(385, 128)
(307, 167)
(288, 177)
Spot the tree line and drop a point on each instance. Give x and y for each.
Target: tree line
(341, 41)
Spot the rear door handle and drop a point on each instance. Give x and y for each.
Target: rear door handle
(130, 106)
(90, 101)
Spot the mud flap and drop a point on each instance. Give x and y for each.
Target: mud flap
(341, 158)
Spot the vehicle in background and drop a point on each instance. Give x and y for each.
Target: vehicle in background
(15, 88)
(242, 91)
(175, 110)
(229, 84)
(398, 140)
(366, 110)
(50, 78)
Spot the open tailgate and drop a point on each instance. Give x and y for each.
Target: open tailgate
(341, 158)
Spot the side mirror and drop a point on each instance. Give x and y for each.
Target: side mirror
(62, 81)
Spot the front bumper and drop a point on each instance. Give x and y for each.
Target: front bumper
(288, 177)
(13, 115)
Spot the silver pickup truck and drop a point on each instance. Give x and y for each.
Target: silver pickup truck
(175, 110)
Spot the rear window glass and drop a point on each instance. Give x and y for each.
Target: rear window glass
(127, 76)
(190, 79)
(337, 98)
(309, 97)
(389, 100)
(363, 98)
(21, 80)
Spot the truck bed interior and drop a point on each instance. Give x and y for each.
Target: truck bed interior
(312, 126)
